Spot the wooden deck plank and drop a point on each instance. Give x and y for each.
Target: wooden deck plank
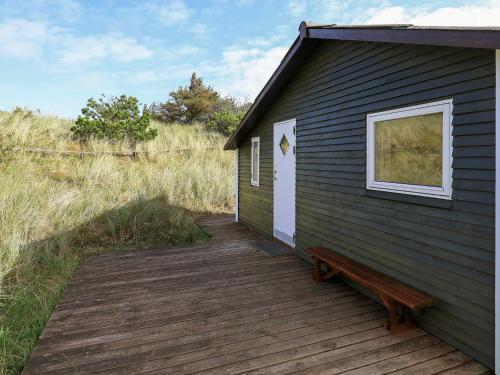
(188, 272)
(241, 317)
(136, 267)
(145, 320)
(185, 280)
(329, 363)
(200, 276)
(195, 304)
(405, 360)
(223, 307)
(471, 368)
(445, 362)
(177, 337)
(214, 295)
(251, 359)
(159, 355)
(201, 313)
(238, 284)
(263, 274)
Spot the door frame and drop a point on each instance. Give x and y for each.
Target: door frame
(294, 122)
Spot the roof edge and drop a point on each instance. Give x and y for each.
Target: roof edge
(488, 38)
(231, 143)
(468, 37)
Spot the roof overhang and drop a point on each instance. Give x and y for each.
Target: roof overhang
(289, 64)
(310, 34)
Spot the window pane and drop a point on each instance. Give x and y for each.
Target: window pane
(284, 145)
(255, 155)
(410, 150)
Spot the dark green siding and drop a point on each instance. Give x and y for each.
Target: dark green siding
(443, 248)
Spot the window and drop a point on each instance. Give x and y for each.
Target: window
(284, 145)
(254, 181)
(409, 150)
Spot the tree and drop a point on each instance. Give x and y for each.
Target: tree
(229, 103)
(114, 118)
(225, 122)
(187, 104)
(227, 115)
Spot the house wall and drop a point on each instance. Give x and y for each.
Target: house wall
(444, 248)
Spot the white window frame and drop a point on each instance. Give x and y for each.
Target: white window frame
(254, 180)
(444, 192)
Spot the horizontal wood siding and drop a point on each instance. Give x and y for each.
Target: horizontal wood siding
(256, 202)
(444, 248)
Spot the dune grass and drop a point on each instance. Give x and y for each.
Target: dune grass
(54, 210)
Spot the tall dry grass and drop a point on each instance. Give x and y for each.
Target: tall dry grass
(54, 209)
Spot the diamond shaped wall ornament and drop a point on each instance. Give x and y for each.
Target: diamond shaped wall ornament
(284, 144)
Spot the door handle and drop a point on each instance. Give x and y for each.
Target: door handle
(275, 177)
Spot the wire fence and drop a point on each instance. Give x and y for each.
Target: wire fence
(82, 154)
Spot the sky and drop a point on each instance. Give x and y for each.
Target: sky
(55, 54)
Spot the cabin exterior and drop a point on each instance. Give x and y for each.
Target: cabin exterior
(379, 142)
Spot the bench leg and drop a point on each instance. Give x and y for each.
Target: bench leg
(402, 323)
(408, 320)
(393, 319)
(318, 274)
(398, 322)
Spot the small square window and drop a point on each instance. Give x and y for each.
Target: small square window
(255, 160)
(409, 150)
(284, 145)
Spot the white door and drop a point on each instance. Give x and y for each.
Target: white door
(284, 181)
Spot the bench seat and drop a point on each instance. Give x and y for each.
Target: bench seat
(399, 299)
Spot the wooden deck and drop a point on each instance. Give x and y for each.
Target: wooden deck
(225, 307)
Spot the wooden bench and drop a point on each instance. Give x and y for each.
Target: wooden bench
(400, 299)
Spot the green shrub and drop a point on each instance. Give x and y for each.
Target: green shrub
(116, 118)
(225, 122)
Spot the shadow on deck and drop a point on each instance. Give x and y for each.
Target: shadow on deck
(225, 307)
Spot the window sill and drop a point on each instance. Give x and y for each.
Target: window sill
(411, 199)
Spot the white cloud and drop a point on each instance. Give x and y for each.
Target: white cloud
(186, 50)
(20, 38)
(65, 11)
(143, 77)
(69, 10)
(481, 14)
(297, 8)
(475, 13)
(24, 39)
(243, 2)
(243, 72)
(127, 49)
(94, 48)
(170, 12)
(277, 36)
(199, 29)
(330, 11)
